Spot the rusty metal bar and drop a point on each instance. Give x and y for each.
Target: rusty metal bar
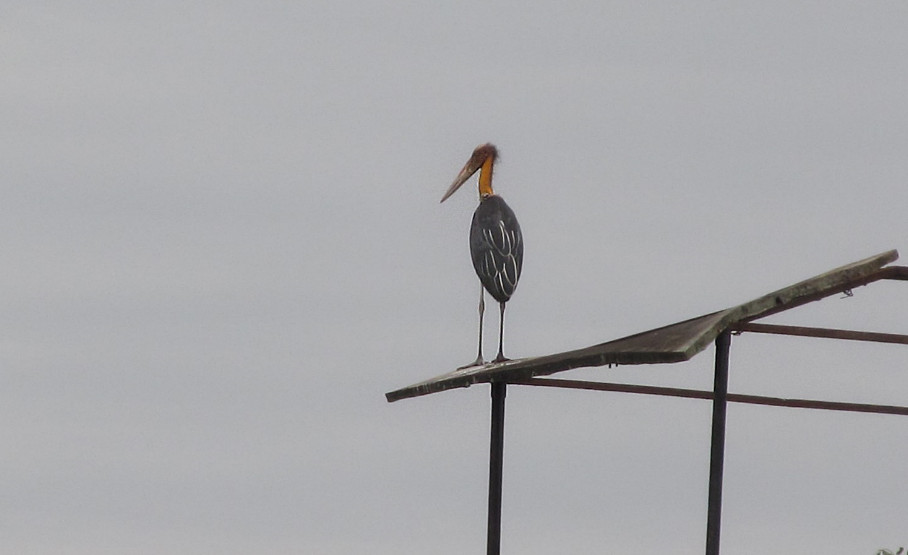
(810, 404)
(618, 387)
(717, 444)
(700, 394)
(828, 333)
(496, 464)
(894, 272)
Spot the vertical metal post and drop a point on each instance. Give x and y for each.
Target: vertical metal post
(717, 446)
(496, 460)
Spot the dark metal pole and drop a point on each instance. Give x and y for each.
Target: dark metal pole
(717, 447)
(496, 460)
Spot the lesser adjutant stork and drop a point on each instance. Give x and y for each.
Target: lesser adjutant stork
(496, 244)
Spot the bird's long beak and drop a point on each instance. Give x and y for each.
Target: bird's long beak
(471, 167)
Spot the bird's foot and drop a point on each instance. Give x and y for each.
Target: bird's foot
(477, 362)
(501, 358)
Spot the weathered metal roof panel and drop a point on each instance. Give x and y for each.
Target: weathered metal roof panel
(674, 343)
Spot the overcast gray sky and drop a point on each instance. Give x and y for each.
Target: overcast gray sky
(222, 245)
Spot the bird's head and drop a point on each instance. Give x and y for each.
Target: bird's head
(483, 158)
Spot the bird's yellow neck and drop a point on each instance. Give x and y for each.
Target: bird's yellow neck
(485, 178)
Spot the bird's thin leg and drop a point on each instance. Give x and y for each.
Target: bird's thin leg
(482, 308)
(501, 357)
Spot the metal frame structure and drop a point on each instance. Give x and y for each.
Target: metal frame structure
(675, 343)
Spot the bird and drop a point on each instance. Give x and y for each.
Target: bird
(496, 242)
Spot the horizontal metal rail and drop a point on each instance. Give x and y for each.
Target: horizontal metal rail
(700, 394)
(894, 272)
(828, 333)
